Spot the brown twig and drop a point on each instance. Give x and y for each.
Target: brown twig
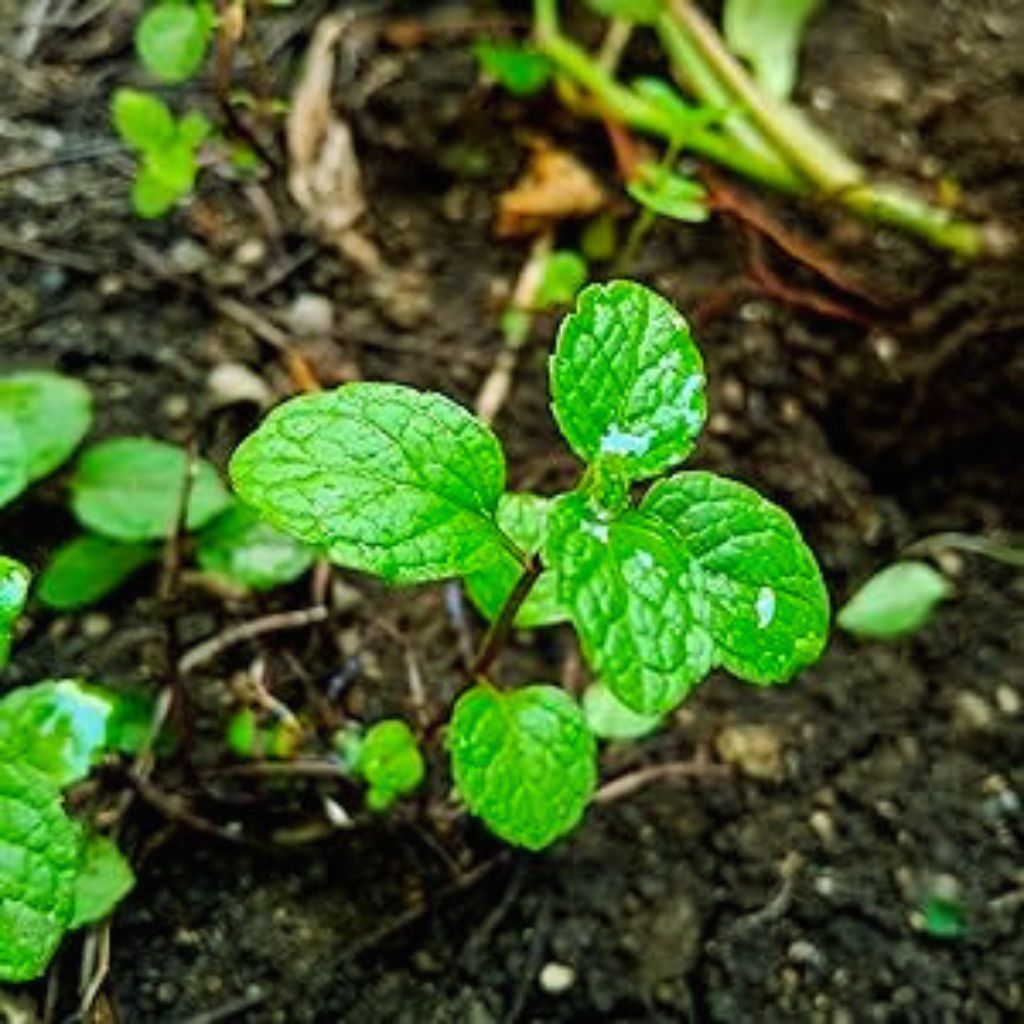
(627, 785)
(275, 623)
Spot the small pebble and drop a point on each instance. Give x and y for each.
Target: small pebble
(1008, 700)
(972, 713)
(176, 407)
(189, 256)
(233, 383)
(96, 625)
(310, 315)
(556, 978)
(251, 252)
(755, 749)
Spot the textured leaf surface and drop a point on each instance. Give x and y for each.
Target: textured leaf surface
(14, 583)
(51, 412)
(767, 607)
(523, 761)
(39, 856)
(142, 120)
(767, 33)
(390, 761)
(245, 549)
(389, 480)
(632, 596)
(171, 39)
(894, 602)
(130, 489)
(627, 379)
(523, 518)
(104, 879)
(58, 727)
(87, 569)
(609, 719)
(13, 461)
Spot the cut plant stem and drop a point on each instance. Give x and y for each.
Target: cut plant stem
(771, 142)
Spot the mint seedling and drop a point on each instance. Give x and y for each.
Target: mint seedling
(701, 572)
(520, 69)
(167, 148)
(388, 758)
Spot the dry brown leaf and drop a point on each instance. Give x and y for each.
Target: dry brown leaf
(554, 187)
(323, 174)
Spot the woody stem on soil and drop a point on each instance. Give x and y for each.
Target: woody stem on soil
(773, 144)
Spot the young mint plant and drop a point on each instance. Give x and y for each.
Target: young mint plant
(700, 572)
(167, 149)
(390, 762)
(14, 584)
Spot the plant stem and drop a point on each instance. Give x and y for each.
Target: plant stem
(817, 156)
(497, 635)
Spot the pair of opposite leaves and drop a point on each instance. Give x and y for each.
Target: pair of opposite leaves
(703, 572)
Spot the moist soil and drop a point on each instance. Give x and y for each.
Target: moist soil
(801, 868)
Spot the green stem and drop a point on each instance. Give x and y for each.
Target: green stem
(497, 635)
(812, 152)
(638, 113)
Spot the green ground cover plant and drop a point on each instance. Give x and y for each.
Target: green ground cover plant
(662, 586)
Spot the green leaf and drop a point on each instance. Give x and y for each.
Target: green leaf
(130, 489)
(523, 518)
(390, 761)
(39, 856)
(14, 583)
(610, 719)
(174, 167)
(244, 549)
(151, 198)
(104, 879)
(670, 101)
(565, 273)
(767, 33)
(142, 120)
(523, 761)
(60, 727)
(896, 601)
(627, 379)
(767, 608)
(87, 569)
(52, 414)
(194, 129)
(392, 481)
(171, 39)
(669, 194)
(642, 12)
(634, 601)
(520, 69)
(13, 461)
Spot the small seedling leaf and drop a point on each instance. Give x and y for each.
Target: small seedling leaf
(52, 414)
(767, 33)
(87, 569)
(895, 602)
(523, 761)
(151, 198)
(130, 489)
(766, 606)
(194, 129)
(565, 273)
(171, 39)
(390, 761)
(245, 550)
(523, 518)
(627, 379)
(389, 480)
(669, 194)
(633, 598)
(60, 727)
(520, 69)
(13, 461)
(610, 719)
(14, 583)
(40, 848)
(142, 120)
(104, 879)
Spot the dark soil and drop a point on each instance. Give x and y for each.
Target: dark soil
(790, 884)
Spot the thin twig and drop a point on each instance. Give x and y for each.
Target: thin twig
(627, 785)
(215, 645)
